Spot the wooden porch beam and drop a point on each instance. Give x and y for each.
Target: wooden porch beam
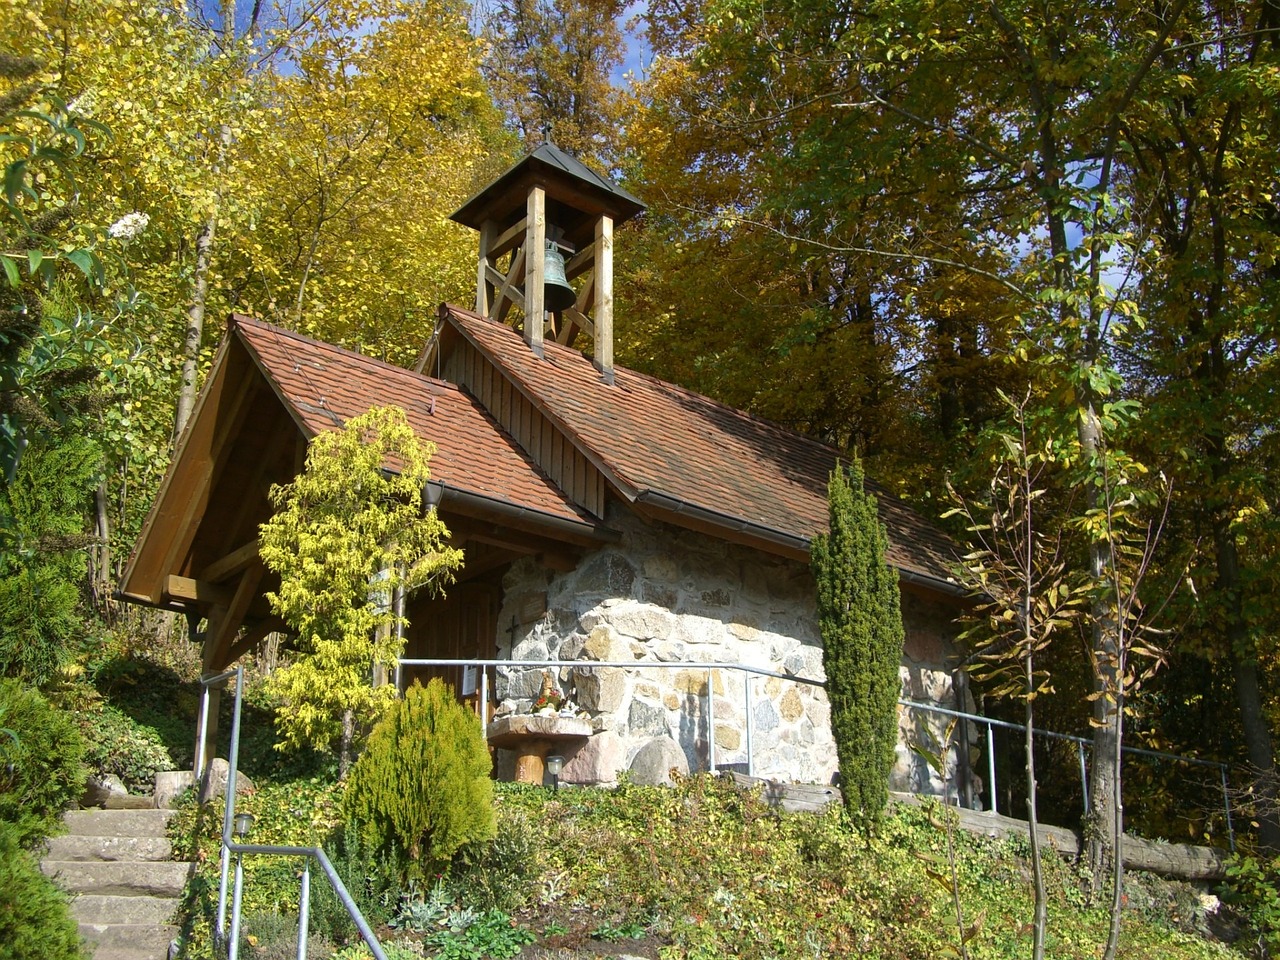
(196, 591)
(225, 621)
(231, 564)
(253, 636)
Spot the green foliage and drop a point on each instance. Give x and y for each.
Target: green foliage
(860, 616)
(42, 560)
(1253, 888)
(491, 934)
(350, 524)
(704, 869)
(421, 787)
(42, 767)
(117, 744)
(35, 916)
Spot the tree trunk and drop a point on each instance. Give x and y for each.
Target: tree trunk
(1244, 666)
(101, 554)
(1041, 921)
(344, 750)
(194, 333)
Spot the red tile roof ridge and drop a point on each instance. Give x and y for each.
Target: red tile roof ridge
(575, 355)
(242, 321)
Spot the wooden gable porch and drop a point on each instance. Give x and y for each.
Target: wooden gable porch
(269, 392)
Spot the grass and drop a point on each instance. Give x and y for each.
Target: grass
(701, 870)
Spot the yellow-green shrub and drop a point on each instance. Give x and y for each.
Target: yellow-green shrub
(422, 785)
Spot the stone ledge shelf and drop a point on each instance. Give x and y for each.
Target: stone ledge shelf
(532, 737)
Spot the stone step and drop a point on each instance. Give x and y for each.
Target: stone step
(147, 941)
(103, 910)
(119, 878)
(108, 848)
(117, 823)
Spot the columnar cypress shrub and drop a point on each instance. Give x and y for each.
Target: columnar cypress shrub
(860, 616)
(422, 787)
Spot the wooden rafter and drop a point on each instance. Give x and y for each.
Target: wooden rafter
(225, 621)
(233, 563)
(254, 635)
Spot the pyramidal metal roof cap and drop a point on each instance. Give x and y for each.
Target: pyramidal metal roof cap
(548, 158)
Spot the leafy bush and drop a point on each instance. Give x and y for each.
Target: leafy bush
(42, 557)
(117, 744)
(370, 874)
(1253, 888)
(42, 769)
(35, 922)
(421, 788)
(496, 874)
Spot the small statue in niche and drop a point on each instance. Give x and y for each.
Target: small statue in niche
(549, 698)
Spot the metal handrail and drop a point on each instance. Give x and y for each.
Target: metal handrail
(1082, 743)
(230, 846)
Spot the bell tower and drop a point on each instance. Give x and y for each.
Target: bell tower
(545, 222)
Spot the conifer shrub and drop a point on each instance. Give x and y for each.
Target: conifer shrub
(41, 762)
(35, 918)
(422, 787)
(860, 617)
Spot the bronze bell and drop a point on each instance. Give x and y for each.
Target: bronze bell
(557, 295)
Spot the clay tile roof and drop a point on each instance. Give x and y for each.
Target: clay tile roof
(653, 439)
(323, 386)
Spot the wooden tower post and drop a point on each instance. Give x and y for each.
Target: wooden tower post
(549, 196)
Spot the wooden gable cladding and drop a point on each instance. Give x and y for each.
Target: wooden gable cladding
(567, 466)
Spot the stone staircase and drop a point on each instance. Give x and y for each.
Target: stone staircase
(116, 863)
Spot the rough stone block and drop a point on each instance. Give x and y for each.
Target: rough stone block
(98, 789)
(645, 622)
(669, 652)
(169, 785)
(600, 689)
(215, 781)
(599, 760)
(728, 738)
(646, 719)
(653, 763)
(790, 706)
(661, 567)
(765, 717)
(688, 681)
(606, 574)
(603, 643)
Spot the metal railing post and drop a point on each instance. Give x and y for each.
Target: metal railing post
(751, 757)
(202, 733)
(304, 909)
(484, 702)
(1084, 776)
(1226, 804)
(991, 767)
(711, 725)
(229, 805)
(233, 947)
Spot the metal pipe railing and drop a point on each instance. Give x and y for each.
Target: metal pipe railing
(230, 846)
(1082, 743)
(749, 672)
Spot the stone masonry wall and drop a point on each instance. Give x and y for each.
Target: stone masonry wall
(665, 595)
